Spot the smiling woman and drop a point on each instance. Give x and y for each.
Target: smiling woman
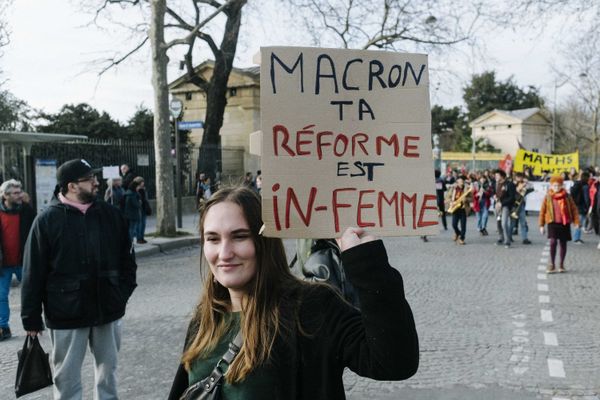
(297, 337)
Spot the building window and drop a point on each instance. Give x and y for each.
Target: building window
(483, 128)
(232, 92)
(509, 126)
(188, 96)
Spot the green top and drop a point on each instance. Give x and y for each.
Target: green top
(259, 384)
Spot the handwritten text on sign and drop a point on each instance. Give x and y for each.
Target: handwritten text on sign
(551, 163)
(346, 142)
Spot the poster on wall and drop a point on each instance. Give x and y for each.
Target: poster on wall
(45, 182)
(346, 142)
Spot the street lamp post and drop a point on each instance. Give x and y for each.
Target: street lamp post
(553, 137)
(176, 106)
(556, 86)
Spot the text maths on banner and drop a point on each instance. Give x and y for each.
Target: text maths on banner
(347, 142)
(540, 163)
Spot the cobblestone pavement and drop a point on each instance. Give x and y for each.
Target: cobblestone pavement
(491, 324)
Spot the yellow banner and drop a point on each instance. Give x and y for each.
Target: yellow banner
(538, 162)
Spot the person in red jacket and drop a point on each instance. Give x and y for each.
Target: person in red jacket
(558, 211)
(16, 218)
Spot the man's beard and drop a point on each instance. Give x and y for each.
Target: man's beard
(86, 197)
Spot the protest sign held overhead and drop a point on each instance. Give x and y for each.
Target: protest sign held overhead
(346, 142)
(538, 162)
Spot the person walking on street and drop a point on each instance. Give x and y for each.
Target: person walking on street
(522, 189)
(133, 209)
(505, 200)
(580, 192)
(459, 204)
(481, 203)
(145, 210)
(295, 338)
(558, 212)
(16, 218)
(78, 267)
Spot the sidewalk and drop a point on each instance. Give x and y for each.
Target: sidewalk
(161, 244)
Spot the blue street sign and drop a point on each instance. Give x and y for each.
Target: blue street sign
(186, 125)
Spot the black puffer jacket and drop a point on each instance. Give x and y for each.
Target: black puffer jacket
(80, 267)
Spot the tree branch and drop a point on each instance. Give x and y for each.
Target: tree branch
(196, 29)
(114, 63)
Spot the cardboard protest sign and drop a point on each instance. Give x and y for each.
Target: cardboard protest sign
(111, 172)
(346, 142)
(538, 162)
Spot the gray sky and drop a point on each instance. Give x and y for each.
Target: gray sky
(48, 60)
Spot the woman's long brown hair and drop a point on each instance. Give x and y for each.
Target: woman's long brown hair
(262, 319)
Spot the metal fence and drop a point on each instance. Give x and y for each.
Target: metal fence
(139, 155)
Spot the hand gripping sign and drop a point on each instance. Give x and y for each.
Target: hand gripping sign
(346, 142)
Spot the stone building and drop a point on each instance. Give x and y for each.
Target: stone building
(242, 115)
(505, 130)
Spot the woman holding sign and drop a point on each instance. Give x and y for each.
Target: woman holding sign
(289, 339)
(558, 211)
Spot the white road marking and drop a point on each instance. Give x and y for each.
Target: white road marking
(546, 315)
(556, 368)
(520, 370)
(519, 324)
(541, 267)
(544, 299)
(519, 358)
(561, 398)
(542, 276)
(542, 287)
(544, 260)
(520, 339)
(550, 339)
(545, 253)
(520, 332)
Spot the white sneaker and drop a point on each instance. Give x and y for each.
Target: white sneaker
(598, 246)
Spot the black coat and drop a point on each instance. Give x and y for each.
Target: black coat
(26, 216)
(80, 267)
(378, 342)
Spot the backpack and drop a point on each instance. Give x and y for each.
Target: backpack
(324, 264)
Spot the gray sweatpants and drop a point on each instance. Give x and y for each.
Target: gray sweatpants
(68, 351)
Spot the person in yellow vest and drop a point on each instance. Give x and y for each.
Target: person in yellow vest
(558, 212)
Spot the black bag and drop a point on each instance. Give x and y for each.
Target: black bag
(147, 208)
(210, 387)
(33, 371)
(324, 264)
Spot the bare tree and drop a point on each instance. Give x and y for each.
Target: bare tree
(209, 159)
(391, 24)
(162, 18)
(581, 69)
(4, 32)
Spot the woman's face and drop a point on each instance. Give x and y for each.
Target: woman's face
(556, 187)
(228, 246)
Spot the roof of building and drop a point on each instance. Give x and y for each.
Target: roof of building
(253, 72)
(518, 115)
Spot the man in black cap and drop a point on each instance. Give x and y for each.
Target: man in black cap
(79, 265)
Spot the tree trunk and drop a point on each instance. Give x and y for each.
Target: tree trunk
(210, 155)
(165, 210)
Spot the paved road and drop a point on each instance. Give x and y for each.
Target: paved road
(484, 332)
